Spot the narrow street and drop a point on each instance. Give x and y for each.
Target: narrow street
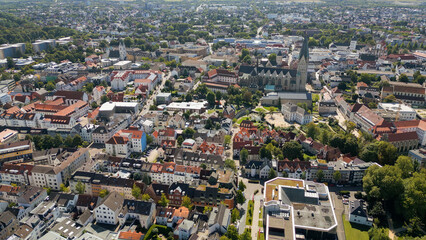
(150, 101)
(339, 209)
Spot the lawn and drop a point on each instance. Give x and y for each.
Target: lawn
(161, 230)
(210, 111)
(242, 119)
(250, 209)
(352, 231)
(271, 109)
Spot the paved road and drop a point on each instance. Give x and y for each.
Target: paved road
(249, 194)
(339, 209)
(256, 212)
(150, 101)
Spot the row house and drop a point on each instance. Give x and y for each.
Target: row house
(53, 176)
(292, 169)
(142, 211)
(69, 97)
(58, 122)
(221, 75)
(196, 159)
(169, 216)
(98, 92)
(403, 142)
(410, 93)
(387, 131)
(258, 169)
(16, 150)
(364, 117)
(126, 141)
(94, 183)
(19, 119)
(114, 209)
(16, 173)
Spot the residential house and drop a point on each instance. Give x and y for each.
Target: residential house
(109, 209)
(185, 229)
(358, 213)
(142, 211)
(294, 113)
(219, 219)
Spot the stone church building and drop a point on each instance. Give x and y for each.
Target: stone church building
(277, 79)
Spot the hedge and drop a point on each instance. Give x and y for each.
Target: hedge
(161, 230)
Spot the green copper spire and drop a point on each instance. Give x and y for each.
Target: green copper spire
(304, 51)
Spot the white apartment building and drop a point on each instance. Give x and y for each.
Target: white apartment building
(294, 113)
(54, 176)
(108, 210)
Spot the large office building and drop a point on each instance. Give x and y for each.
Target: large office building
(298, 209)
(12, 50)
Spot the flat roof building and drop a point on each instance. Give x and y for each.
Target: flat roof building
(295, 208)
(198, 107)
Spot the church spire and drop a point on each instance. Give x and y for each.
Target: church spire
(304, 51)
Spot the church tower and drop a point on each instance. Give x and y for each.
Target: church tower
(302, 66)
(122, 51)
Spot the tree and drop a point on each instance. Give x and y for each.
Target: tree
(207, 209)
(229, 163)
(403, 78)
(63, 188)
(244, 156)
(146, 179)
(246, 235)
(10, 62)
(163, 201)
(376, 233)
(272, 174)
(103, 193)
(232, 233)
(240, 197)
(68, 141)
(136, 191)
(145, 197)
(337, 176)
(211, 98)
(324, 137)
(47, 142)
(382, 152)
(50, 86)
(413, 200)
(273, 59)
(77, 141)
(405, 164)
(137, 176)
(80, 187)
(180, 140)
(94, 105)
(228, 140)
(312, 130)
(188, 97)
(188, 132)
(235, 215)
(390, 99)
(242, 186)
(265, 153)
(186, 202)
(292, 150)
(149, 139)
(383, 183)
(320, 175)
(104, 99)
